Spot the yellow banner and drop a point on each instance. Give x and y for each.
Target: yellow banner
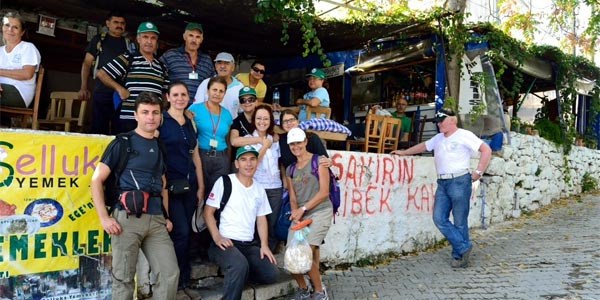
(47, 217)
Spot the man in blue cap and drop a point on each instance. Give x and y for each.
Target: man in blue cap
(130, 74)
(187, 63)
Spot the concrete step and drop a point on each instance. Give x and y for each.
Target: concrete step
(207, 284)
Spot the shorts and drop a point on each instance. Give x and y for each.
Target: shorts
(318, 228)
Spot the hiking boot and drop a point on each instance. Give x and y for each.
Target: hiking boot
(192, 293)
(301, 294)
(144, 292)
(181, 295)
(320, 295)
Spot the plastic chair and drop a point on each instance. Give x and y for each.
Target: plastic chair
(62, 107)
(32, 112)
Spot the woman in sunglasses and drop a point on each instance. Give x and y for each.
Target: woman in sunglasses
(254, 79)
(289, 120)
(243, 126)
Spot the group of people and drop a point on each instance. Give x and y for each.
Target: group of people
(219, 142)
(182, 156)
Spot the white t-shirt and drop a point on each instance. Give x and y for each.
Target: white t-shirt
(267, 172)
(231, 101)
(24, 54)
(245, 204)
(452, 154)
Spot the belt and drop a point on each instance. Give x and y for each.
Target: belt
(213, 153)
(452, 175)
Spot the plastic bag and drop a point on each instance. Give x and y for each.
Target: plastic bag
(298, 257)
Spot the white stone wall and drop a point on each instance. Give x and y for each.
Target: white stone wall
(387, 201)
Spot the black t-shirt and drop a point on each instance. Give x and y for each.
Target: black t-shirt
(111, 48)
(241, 124)
(141, 167)
(314, 145)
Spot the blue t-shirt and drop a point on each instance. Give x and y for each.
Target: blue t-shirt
(320, 93)
(211, 126)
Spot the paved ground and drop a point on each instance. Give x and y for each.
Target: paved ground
(554, 254)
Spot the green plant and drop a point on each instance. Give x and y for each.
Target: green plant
(550, 131)
(588, 183)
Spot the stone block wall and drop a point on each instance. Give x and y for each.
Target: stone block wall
(387, 201)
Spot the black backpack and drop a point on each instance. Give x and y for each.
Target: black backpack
(111, 184)
(224, 198)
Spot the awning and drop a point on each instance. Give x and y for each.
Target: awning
(391, 58)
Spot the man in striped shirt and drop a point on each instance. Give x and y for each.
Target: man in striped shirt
(131, 74)
(187, 63)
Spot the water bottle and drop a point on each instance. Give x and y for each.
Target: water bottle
(276, 113)
(276, 96)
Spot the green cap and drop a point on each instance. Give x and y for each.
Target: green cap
(147, 27)
(245, 149)
(316, 73)
(194, 26)
(245, 91)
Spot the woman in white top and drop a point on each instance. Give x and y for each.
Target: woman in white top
(267, 172)
(19, 61)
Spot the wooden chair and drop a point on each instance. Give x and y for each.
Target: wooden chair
(390, 134)
(62, 107)
(318, 111)
(32, 112)
(374, 125)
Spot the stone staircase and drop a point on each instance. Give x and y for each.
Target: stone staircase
(207, 284)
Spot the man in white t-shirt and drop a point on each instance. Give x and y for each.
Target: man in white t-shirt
(225, 65)
(453, 148)
(234, 247)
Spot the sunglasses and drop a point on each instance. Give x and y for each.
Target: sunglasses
(441, 115)
(247, 100)
(257, 70)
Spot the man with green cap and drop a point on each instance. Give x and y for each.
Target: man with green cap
(187, 63)
(234, 248)
(131, 74)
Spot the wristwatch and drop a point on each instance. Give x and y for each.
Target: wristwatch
(479, 172)
(304, 208)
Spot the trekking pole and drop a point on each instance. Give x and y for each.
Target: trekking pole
(482, 186)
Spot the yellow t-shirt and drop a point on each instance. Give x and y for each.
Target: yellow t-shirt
(261, 87)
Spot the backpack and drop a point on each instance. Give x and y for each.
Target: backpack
(334, 186)
(283, 221)
(131, 48)
(224, 198)
(111, 184)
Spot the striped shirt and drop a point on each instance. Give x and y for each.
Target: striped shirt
(141, 76)
(179, 67)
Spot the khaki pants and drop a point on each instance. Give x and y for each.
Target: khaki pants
(149, 234)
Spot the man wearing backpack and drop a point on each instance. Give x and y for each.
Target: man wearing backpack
(103, 48)
(139, 219)
(241, 205)
(130, 74)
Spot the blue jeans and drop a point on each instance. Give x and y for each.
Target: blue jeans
(240, 262)
(454, 195)
(181, 210)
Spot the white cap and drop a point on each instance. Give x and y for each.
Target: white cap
(224, 56)
(296, 135)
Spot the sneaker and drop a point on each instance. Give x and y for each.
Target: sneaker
(456, 263)
(320, 295)
(465, 256)
(301, 294)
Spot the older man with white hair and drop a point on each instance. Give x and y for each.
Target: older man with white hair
(225, 66)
